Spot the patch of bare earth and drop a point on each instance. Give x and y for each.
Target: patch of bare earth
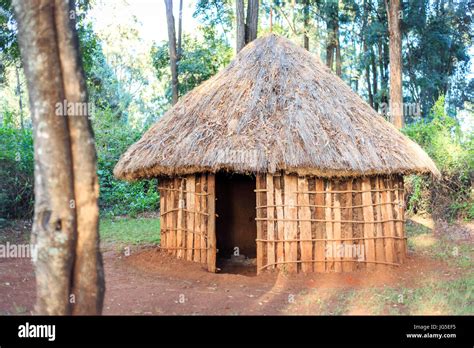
(150, 281)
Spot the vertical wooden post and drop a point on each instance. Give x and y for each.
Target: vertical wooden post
(197, 220)
(270, 222)
(320, 252)
(357, 228)
(348, 231)
(280, 225)
(190, 207)
(260, 185)
(389, 226)
(405, 244)
(174, 201)
(337, 231)
(368, 212)
(181, 226)
(379, 227)
(291, 223)
(204, 218)
(329, 249)
(304, 214)
(211, 223)
(399, 213)
(163, 227)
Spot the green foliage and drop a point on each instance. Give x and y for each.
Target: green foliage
(200, 60)
(119, 197)
(438, 37)
(9, 51)
(16, 172)
(450, 196)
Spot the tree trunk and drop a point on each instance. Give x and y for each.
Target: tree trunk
(271, 18)
(180, 30)
(382, 72)
(240, 25)
(252, 21)
(395, 47)
(338, 48)
(66, 211)
(19, 93)
(367, 75)
(88, 278)
(172, 50)
(374, 78)
(247, 25)
(332, 29)
(306, 24)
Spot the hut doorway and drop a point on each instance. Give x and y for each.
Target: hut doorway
(236, 229)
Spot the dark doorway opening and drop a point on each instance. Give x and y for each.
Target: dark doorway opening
(236, 229)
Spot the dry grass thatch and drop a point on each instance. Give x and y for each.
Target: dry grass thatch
(275, 107)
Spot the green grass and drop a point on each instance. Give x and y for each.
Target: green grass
(130, 231)
(454, 297)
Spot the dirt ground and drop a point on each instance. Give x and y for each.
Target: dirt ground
(150, 282)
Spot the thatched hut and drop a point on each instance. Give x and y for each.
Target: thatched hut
(278, 157)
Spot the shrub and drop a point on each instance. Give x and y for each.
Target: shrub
(451, 196)
(16, 173)
(117, 197)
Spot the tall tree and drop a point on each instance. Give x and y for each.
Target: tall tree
(172, 49)
(69, 272)
(180, 30)
(240, 24)
(19, 93)
(306, 24)
(365, 50)
(333, 48)
(246, 25)
(394, 15)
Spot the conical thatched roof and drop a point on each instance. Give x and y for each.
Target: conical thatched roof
(275, 107)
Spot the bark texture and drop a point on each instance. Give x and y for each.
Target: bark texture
(69, 272)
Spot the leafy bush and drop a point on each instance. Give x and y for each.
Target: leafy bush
(119, 197)
(112, 139)
(450, 196)
(16, 171)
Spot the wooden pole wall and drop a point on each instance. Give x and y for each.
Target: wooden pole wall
(303, 223)
(324, 225)
(187, 218)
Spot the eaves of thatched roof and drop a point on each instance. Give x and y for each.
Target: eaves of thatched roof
(275, 107)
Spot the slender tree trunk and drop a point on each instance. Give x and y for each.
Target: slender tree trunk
(240, 25)
(374, 78)
(180, 30)
(338, 48)
(69, 274)
(88, 278)
(19, 93)
(382, 72)
(332, 29)
(247, 25)
(172, 50)
(365, 15)
(306, 24)
(252, 21)
(271, 17)
(396, 96)
(367, 74)
(369, 87)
